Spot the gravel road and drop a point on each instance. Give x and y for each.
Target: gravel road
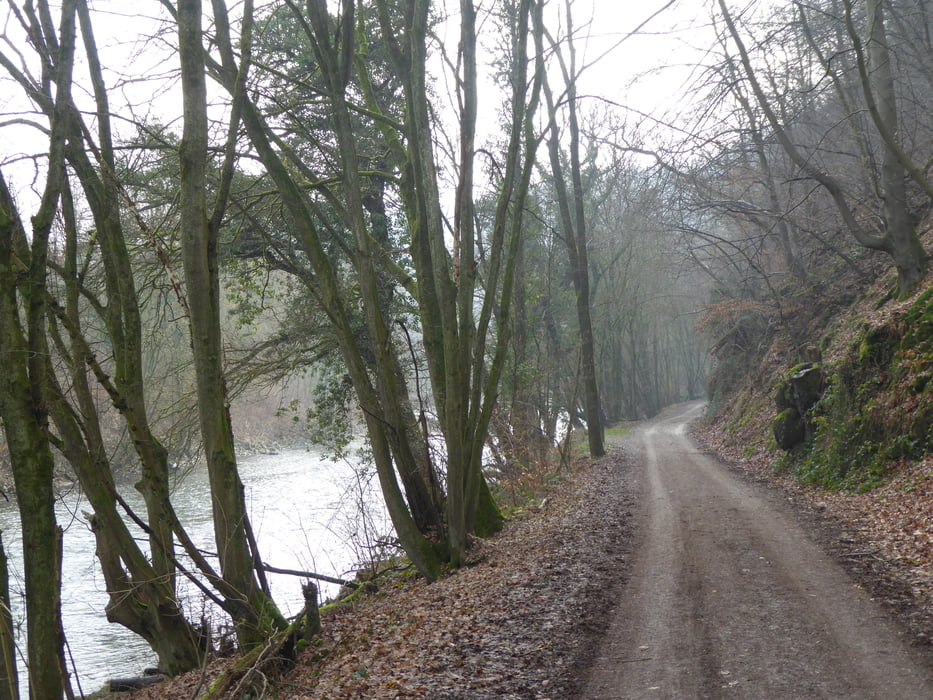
(729, 597)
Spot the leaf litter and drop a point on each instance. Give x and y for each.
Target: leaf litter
(521, 621)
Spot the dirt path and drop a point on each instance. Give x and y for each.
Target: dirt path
(729, 597)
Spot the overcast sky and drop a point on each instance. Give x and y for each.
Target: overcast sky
(643, 71)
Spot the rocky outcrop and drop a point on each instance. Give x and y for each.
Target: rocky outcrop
(796, 395)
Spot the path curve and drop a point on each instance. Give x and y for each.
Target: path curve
(729, 597)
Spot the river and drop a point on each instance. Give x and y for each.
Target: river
(305, 511)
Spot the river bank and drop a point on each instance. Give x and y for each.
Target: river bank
(309, 513)
(519, 622)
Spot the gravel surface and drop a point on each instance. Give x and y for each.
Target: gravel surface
(731, 596)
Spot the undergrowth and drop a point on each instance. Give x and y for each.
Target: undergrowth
(878, 405)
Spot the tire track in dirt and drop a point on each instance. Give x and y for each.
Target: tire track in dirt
(730, 597)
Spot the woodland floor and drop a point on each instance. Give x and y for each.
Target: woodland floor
(524, 620)
(520, 622)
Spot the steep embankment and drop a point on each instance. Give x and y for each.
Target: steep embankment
(835, 399)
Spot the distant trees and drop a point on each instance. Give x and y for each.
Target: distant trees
(647, 292)
(834, 108)
(645, 296)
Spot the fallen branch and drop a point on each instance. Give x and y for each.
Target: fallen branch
(254, 669)
(308, 574)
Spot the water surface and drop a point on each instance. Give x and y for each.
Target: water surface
(305, 511)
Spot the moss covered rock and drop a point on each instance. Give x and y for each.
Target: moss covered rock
(789, 429)
(796, 394)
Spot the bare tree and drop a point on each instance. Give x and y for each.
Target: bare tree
(442, 283)
(24, 382)
(897, 236)
(573, 221)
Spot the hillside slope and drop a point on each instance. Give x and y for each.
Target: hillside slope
(834, 399)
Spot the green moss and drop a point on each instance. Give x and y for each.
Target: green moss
(489, 519)
(877, 346)
(618, 431)
(788, 429)
(918, 323)
(920, 383)
(781, 418)
(863, 421)
(875, 404)
(920, 308)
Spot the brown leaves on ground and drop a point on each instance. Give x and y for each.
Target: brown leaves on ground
(898, 519)
(519, 622)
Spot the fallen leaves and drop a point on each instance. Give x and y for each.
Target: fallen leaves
(519, 623)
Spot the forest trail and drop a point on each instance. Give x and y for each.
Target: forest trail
(729, 597)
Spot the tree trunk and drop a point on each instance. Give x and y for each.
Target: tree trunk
(521, 417)
(573, 227)
(23, 383)
(22, 410)
(905, 246)
(122, 316)
(254, 614)
(144, 605)
(141, 598)
(9, 679)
